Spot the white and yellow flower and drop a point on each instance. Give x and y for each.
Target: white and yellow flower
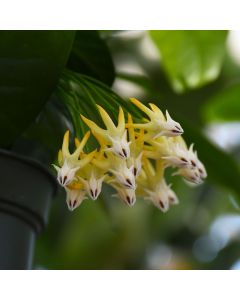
(157, 124)
(153, 187)
(128, 196)
(113, 136)
(136, 147)
(132, 159)
(69, 163)
(75, 195)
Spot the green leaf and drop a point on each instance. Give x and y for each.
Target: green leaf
(81, 93)
(191, 58)
(90, 55)
(37, 141)
(224, 106)
(30, 65)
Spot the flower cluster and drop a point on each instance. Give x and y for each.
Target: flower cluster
(131, 158)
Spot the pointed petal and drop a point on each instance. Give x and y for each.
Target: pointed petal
(121, 120)
(142, 107)
(191, 147)
(56, 167)
(87, 159)
(168, 117)
(81, 145)
(130, 128)
(94, 127)
(107, 120)
(60, 158)
(158, 111)
(65, 144)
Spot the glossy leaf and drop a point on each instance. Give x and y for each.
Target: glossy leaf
(81, 93)
(44, 136)
(30, 65)
(191, 58)
(90, 55)
(224, 106)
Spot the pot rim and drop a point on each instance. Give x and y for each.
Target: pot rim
(34, 163)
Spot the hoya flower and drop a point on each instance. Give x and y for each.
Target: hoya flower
(196, 163)
(136, 147)
(132, 158)
(113, 136)
(124, 175)
(120, 147)
(91, 176)
(158, 124)
(128, 196)
(75, 195)
(66, 174)
(194, 170)
(162, 196)
(172, 150)
(152, 186)
(137, 164)
(93, 185)
(191, 175)
(178, 153)
(69, 163)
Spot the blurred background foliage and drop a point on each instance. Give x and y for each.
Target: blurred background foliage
(196, 76)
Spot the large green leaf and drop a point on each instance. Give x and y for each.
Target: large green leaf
(224, 106)
(30, 65)
(37, 141)
(90, 55)
(191, 58)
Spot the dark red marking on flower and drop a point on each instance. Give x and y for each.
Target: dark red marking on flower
(124, 152)
(74, 203)
(135, 171)
(183, 159)
(128, 200)
(193, 163)
(121, 154)
(161, 204)
(129, 181)
(64, 179)
(176, 131)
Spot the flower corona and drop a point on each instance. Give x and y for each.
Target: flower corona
(131, 158)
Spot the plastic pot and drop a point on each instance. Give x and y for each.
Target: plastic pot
(26, 192)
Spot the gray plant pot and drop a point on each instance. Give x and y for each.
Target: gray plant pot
(26, 192)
